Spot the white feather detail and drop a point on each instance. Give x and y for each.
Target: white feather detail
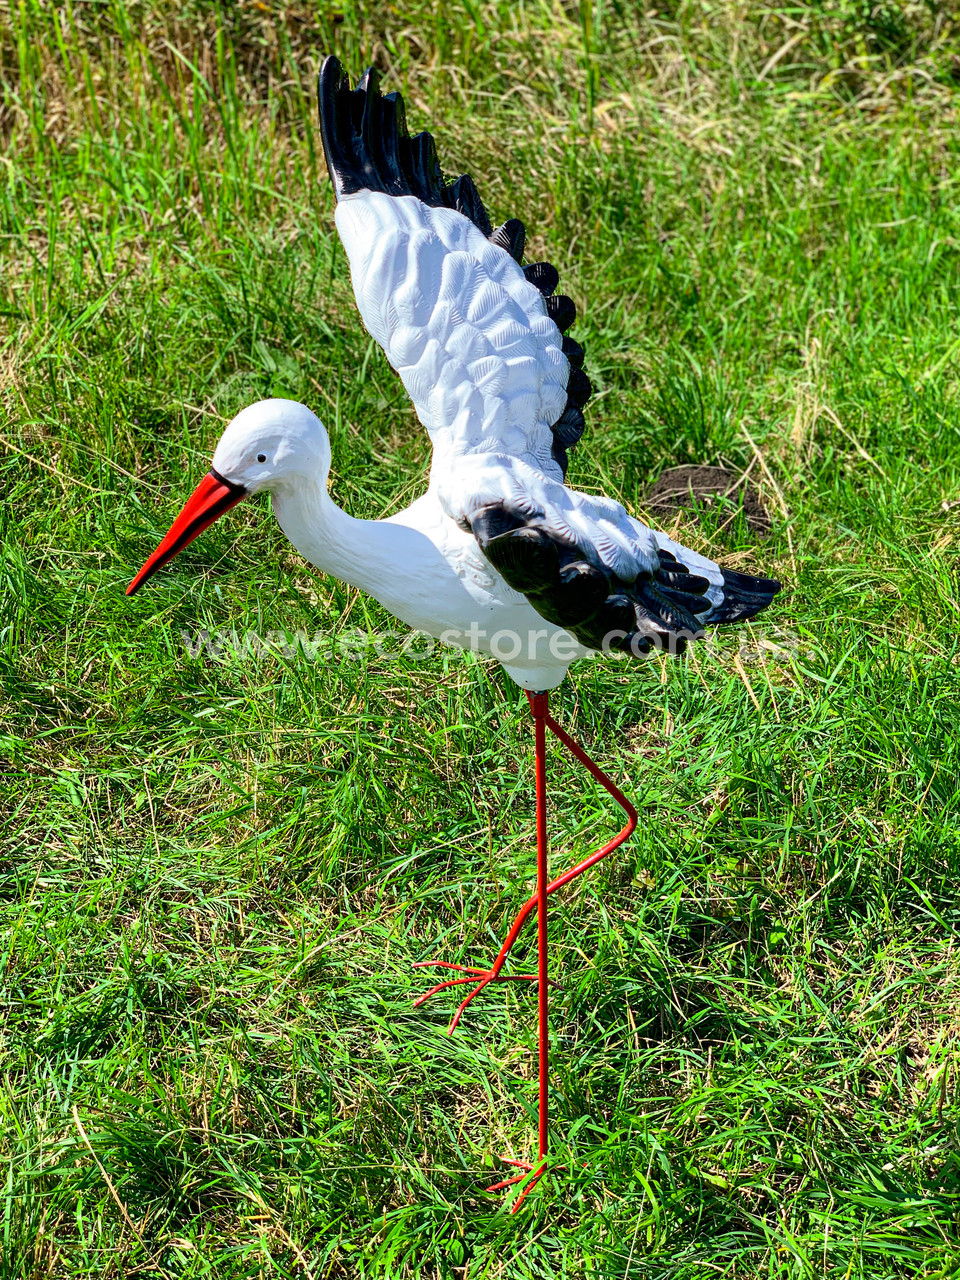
(484, 365)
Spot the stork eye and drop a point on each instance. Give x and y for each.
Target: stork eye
(261, 457)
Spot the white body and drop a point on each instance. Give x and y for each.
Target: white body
(431, 575)
(471, 339)
(482, 361)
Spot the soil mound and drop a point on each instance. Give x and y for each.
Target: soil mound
(691, 488)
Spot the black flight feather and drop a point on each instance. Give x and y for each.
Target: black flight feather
(661, 610)
(368, 148)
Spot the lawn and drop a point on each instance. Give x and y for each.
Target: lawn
(220, 863)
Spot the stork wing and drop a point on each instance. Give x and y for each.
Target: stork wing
(477, 340)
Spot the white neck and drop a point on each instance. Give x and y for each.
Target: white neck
(420, 569)
(389, 561)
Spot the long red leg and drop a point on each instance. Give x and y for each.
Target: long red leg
(542, 876)
(484, 976)
(539, 705)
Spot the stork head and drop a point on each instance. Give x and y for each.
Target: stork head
(269, 445)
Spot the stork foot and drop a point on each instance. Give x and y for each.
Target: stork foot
(525, 1169)
(480, 977)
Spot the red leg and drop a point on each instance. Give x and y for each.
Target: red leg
(539, 705)
(481, 977)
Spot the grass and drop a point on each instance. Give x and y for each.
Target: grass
(217, 872)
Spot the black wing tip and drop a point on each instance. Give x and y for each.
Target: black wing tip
(332, 84)
(598, 609)
(331, 73)
(744, 596)
(367, 148)
(663, 611)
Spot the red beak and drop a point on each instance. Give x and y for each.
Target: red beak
(211, 498)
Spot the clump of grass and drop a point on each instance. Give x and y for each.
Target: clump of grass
(219, 869)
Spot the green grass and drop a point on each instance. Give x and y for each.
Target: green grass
(216, 874)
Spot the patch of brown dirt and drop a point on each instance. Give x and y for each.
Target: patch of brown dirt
(691, 488)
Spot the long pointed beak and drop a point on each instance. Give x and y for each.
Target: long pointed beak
(211, 498)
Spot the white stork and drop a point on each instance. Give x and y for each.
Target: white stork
(498, 555)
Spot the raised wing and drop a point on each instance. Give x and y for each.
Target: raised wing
(477, 340)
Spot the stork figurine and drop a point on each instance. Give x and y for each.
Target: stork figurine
(498, 554)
